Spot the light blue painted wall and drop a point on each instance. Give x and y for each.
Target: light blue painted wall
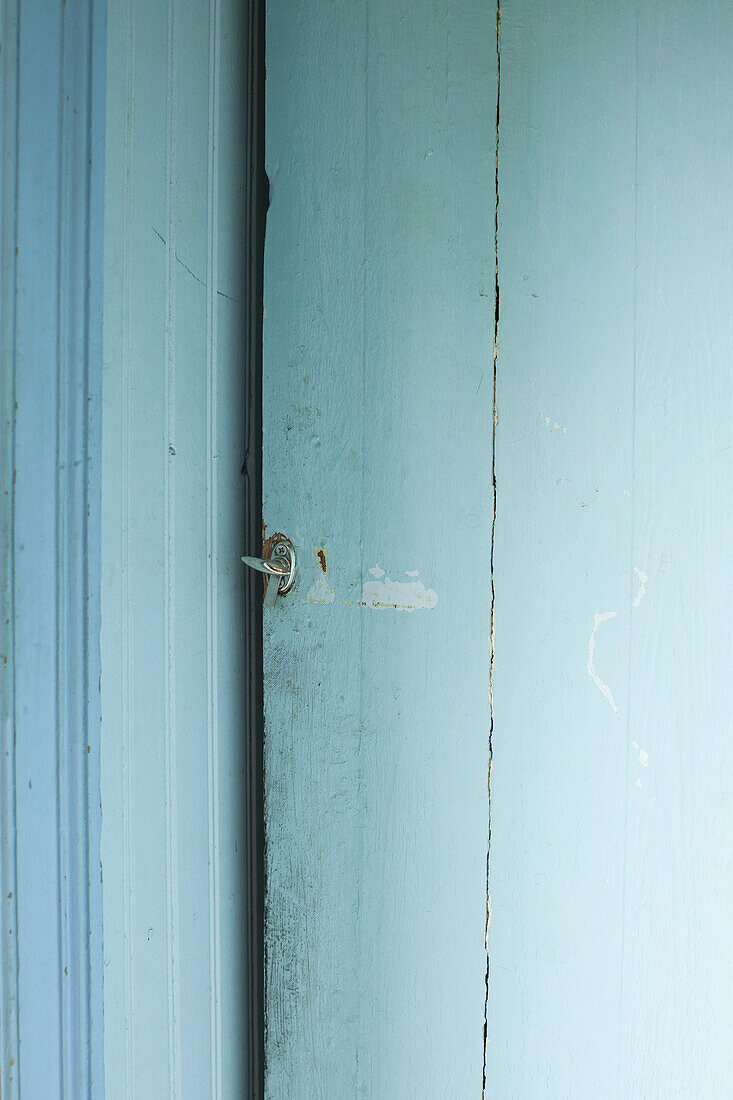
(53, 112)
(378, 336)
(611, 944)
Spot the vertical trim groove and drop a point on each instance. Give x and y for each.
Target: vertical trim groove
(172, 854)
(128, 869)
(9, 1037)
(65, 448)
(212, 555)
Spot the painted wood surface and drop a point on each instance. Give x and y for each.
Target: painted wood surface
(52, 77)
(611, 945)
(378, 334)
(173, 664)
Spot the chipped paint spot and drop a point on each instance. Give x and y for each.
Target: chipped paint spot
(641, 590)
(322, 560)
(554, 426)
(412, 572)
(602, 687)
(643, 754)
(638, 783)
(320, 592)
(488, 923)
(386, 595)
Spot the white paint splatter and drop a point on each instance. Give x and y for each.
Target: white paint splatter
(638, 783)
(321, 592)
(412, 572)
(602, 687)
(384, 595)
(641, 590)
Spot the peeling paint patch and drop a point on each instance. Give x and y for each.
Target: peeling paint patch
(388, 595)
(554, 426)
(320, 592)
(641, 590)
(602, 687)
(643, 754)
(322, 560)
(488, 923)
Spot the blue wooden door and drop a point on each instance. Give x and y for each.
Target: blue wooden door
(509, 491)
(378, 404)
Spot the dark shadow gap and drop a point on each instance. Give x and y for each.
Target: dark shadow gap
(256, 203)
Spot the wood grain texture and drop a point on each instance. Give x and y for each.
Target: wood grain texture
(52, 176)
(377, 455)
(610, 943)
(172, 657)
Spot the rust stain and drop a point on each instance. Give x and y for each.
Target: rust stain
(321, 555)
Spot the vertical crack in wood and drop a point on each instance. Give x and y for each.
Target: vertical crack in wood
(493, 529)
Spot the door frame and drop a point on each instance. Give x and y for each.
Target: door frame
(52, 73)
(182, 843)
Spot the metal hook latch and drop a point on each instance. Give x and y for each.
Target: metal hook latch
(279, 569)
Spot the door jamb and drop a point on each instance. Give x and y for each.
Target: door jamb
(257, 201)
